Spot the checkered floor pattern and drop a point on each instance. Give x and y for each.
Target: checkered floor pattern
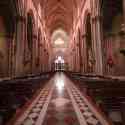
(89, 116)
(35, 111)
(31, 115)
(54, 108)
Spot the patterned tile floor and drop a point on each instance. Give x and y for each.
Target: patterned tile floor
(61, 103)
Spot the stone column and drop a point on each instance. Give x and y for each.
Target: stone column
(20, 39)
(41, 57)
(97, 36)
(80, 54)
(11, 55)
(76, 57)
(47, 62)
(44, 61)
(75, 67)
(72, 61)
(84, 54)
(93, 28)
(34, 54)
(97, 44)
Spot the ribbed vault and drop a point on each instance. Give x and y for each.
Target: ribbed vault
(59, 13)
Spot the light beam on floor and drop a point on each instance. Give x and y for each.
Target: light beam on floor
(60, 83)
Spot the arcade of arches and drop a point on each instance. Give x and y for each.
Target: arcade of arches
(77, 44)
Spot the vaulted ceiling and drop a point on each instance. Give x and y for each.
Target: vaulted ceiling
(59, 13)
(59, 17)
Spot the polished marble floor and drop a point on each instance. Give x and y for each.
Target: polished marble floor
(61, 103)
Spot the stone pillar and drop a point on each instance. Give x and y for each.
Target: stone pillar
(20, 39)
(47, 62)
(71, 62)
(97, 44)
(50, 59)
(97, 36)
(34, 54)
(77, 58)
(93, 28)
(84, 53)
(80, 54)
(74, 51)
(44, 61)
(11, 56)
(41, 57)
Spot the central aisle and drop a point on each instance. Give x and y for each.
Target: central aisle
(60, 110)
(60, 103)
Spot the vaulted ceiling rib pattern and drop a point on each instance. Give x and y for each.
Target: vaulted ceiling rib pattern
(59, 13)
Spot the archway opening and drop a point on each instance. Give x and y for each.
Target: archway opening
(60, 41)
(60, 38)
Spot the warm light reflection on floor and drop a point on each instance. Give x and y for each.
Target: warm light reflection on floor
(60, 83)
